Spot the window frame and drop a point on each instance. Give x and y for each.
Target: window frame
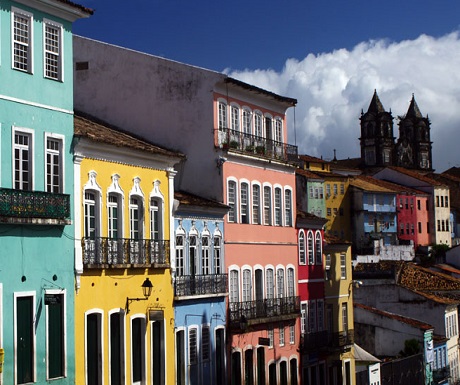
(217, 252)
(28, 51)
(302, 248)
(205, 253)
(310, 248)
(278, 206)
(60, 139)
(18, 183)
(318, 248)
(244, 203)
(232, 200)
(180, 252)
(267, 202)
(343, 266)
(256, 212)
(235, 118)
(222, 115)
(59, 54)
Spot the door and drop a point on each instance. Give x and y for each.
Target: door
(137, 351)
(25, 340)
(259, 293)
(93, 349)
(158, 358)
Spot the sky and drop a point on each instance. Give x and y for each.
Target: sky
(328, 54)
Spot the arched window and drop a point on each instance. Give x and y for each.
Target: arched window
(280, 282)
(244, 203)
(302, 255)
(278, 210)
(318, 249)
(205, 253)
(231, 200)
(269, 283)
(217, 253)
(311, 260)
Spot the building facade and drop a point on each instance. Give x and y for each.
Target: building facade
(36, 179)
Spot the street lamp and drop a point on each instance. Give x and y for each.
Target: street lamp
(146, 290)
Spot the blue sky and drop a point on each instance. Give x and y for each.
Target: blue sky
(329, 54)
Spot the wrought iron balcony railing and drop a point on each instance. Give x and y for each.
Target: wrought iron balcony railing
(341, 339)
(208, 284)
(124, 251)
(315, 341)
(265, 308)
(23, 204)
(255, 145)
(441, 374)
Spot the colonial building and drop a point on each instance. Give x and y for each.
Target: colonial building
(124, 302)
(36, 179)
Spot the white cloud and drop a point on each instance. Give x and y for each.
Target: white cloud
(333, 88)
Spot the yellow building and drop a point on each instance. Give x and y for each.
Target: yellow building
(124, 317)
(339, 287)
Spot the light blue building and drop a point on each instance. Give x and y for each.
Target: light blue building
(36, 184)
(200, 291)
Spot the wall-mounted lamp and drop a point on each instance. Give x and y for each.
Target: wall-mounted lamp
(354, 283)
(146, 290)
(220, 161)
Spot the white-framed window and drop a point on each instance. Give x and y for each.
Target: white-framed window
(280, 283)
(235, 118)
(52, 50)
(281, 335)
(156, 219)
(292, 334)
(231, 200)
(234, 293)
(22, 35)
(278, 130)
(303, 317)
(319, 249)
(244, 202)
(91, 229)
(344, 317)
(287, 207)
(217, 254)
(320, 311)
(180, 248)
(54, 164)
(267, 205)
(269, 283)
(290, 282)
(258, 124)
(278, 210)
(247, 285)
(193, 346)
(302, 254)
(193, 252)
(223, 120)
(335, 188)
(256, 204)
(23, 159)
(135, 217)
(343, 266)
(55, 333)
(311, 316)
(247, 126)
(271, 337)
(205, 343)
(310, 248)
(205, 254)
(327, 268)
(114, 213)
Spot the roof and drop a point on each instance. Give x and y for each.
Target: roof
(309, 158)
(406, 320)
(362, 355)
(189, 199)
(375, 106)
(97, 131)
(413, 110)
(78, 6)
(326, 174)
(347, 164)
(453, 171)
(307, 174)
(333, 240)
(305, 219)
(246, 86)
(416, 175)
(400, 188)
(368, 183)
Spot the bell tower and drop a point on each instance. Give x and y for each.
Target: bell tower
(377, 141)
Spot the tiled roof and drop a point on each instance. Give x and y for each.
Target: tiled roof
(368, 183)
(333, 240)
(78, 6)
(326, 174)
(416, 175)
(406, 320)
(307, 174)
(101, 132)
(453, 171)
(305, 219)
(309, 158)
(350, 163)
(188, 199)
(399, 188)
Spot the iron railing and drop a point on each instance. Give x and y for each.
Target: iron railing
(190, 285)
(263, 308)
(34, 204)
(315, 341)
(341, 339)
(255, 145)
(124, 251)
(441, 374)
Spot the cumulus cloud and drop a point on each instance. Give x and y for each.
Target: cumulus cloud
(332, 89)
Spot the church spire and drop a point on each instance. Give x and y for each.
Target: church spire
(413, 111)
(376, 105)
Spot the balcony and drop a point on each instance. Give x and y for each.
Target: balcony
(200, 285)
(255, 145)
(124, 252)
(341, 340)
(315, 341)
(264, 310)
(34, 207)
(441, 375)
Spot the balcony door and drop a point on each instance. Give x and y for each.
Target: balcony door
(259, 291)
(138, 351)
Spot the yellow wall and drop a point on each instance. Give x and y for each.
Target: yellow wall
(338, 223)
(106, 289)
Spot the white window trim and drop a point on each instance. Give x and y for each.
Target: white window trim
(283, 269)
(209, 257)
(236, 203)
(100, 312)
(248, 201)
(302, 232)
(136, 191)
(115, 189)
(272, 268)
(261, 115)
(217, 234)
(60, 138)
(288, 188)
(238, 283)
(307, 248)
(294, 285)
(61, 49)
(145, 351)
(253, 184)
(156, 194)
(247, 110)
(251, 282)
(122, 314)
(17, 295)
(31, 133)
(318, 234)
(277, 120)
(265, 185)
(281, 191)
(64, 321)
(92, 185)
(30, 52)
(235, 126)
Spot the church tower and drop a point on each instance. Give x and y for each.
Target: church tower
(377, 141)
(413, 149)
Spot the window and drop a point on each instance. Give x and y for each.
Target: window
(407, 203)
(271, 337)
(437, 201)
(22, 161)
(281, 335)
(205, 268)
(269, 284)
(290, 282)
(288, 208)
(113, 213)
(292, 334)
(235, 118)
(334, 210)
(222, 115)
(321, 193)
(318, 249)
(234, 286)
(217, 255)
(335, 189)
(345, 317)
(442, 201)
(54, 165)
(342, 189)
(256, 204)
(278, 130)
(247, 129)
(311, 316)
(192, 346)
(192, 253)
(439, 225)
(407, 228)
(280, 282)
(258, 124)
(328, 211)
(135, 216)
(446, 201)
(343, 266)
(180, 267)
(244, 202)
(231, 201)
(418, 204)
(267, 205)
(419, 227)
(312, 192)
(247, 287)
(303, 317)
(412, 230)
(53, 56)
(155, 219)
(94, 352)
(401, 229)
(90, 215)
(328, 267)
(55, 333)
(22, 40)
(116, 347)
(205, 343)
(278, 212)
(328, 189)
(320, 311)
(310, 248)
